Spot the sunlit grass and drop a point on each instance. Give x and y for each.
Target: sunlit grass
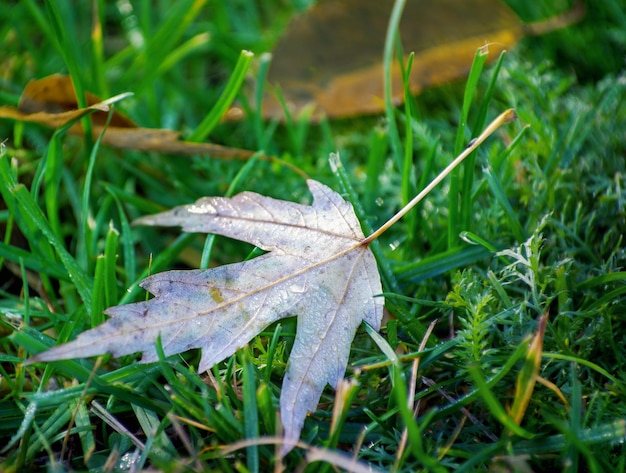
(534, 226)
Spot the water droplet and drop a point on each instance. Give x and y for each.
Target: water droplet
(298, 288)
(202, 208)
(128, 461)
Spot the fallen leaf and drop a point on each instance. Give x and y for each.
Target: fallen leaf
(330, 57)
(58, 117)
(51, 102)
(317, 268)
(52, 97)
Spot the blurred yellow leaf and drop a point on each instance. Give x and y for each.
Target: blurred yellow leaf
(330, 57)
(51, 102)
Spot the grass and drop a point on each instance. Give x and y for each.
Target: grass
(538, 230)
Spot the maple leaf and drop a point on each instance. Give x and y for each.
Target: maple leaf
(318, 268)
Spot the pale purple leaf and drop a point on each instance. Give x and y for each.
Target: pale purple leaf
(317, 268)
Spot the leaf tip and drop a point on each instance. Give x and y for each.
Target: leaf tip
(509, 115)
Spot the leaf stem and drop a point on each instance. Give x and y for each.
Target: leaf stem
(505, 117)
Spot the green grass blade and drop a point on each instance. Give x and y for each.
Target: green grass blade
(49, 431)
(408, 190)
(440, 263)
(250, 411)
(378, 147)
(85, 235)
(609, 432)
(53, 165)
(29, 416)
(601, 280)
(85, 429)
(494, 405)
(156, 41)
(388, 56)
(32, 213)
(455, 219)
(110, 266)
(469, 177)
(98, 68)
(197, 44)
(33, 262)
(511, 361)
(499, 194)
(128, 245)
(263, 136)
(67, 40)
(594, 366)
(97, 298)
(209, 122)
(382, 344)
(408, 184)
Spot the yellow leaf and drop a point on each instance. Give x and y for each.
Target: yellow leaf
(51, 102)
(330, 56)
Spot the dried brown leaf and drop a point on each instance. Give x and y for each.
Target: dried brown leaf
(51, 102)
(330, 57)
